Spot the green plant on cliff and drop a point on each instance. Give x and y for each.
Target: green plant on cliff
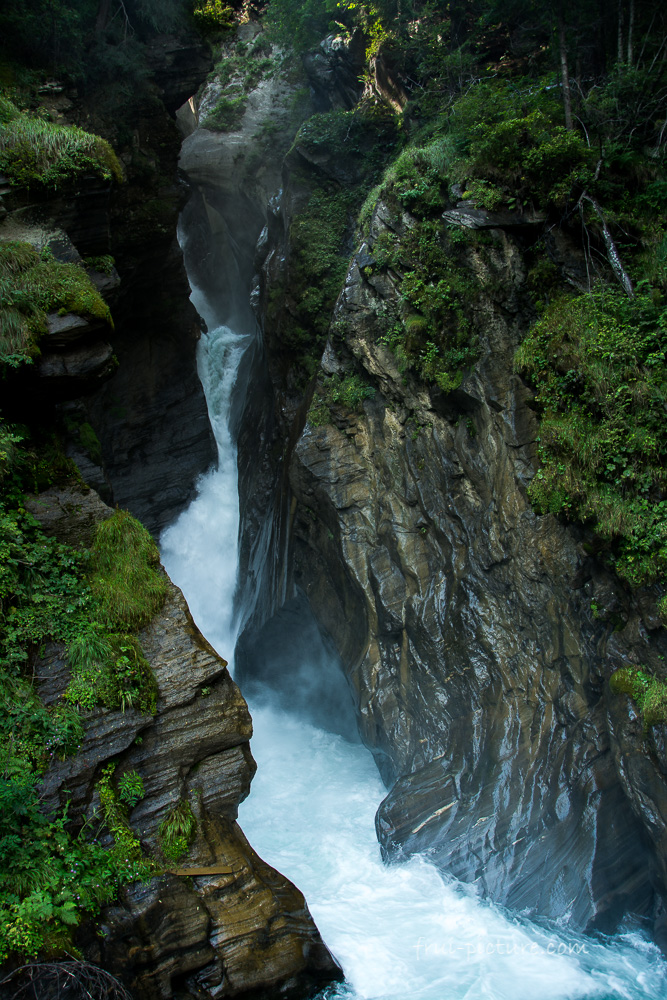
(226, 114)
(177, 831)
(125, 575)
(347, 392)
(358, 143)
(649, 693)
(597, 363)
(126, 851)
(37, 152)
(430, 331)
(212, 17)
(52, 874)
(32, 284)
(110, 669)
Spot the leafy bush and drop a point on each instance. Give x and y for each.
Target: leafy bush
(34, 151)
(597, 364)
(110, 670)
(33, 284)
(212, 16)
(431, 333)
(126, 851)
(130, 788)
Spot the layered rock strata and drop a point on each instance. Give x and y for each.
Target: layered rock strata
(227, 924)
(477, 637)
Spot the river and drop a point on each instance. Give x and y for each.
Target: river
(400, 932)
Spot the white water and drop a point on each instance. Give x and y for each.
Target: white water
(400, 932)
(200, 549)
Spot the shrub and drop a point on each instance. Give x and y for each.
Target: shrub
(50, 876)
(212, 16)
(110, 670)
(431, 333)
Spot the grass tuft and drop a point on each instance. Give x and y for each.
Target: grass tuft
(32, 284)
(125, 574)
(34, 151)
(177, 831)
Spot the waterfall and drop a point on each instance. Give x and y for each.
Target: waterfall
(401, 932)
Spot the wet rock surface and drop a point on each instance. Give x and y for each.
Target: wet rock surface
(243, 928)
(465, 622)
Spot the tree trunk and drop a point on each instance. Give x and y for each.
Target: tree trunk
(564, 71)
(631, 25)
(102, 16)
(620, 32)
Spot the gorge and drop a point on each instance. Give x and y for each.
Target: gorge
(393, 301)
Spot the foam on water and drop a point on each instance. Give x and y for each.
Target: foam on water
(200, 549)
(401, 932)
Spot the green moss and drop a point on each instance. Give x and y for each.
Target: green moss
(36, 152)
(33, 284)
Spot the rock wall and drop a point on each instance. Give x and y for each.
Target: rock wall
(137, 385)
(237, 929)
(477, 637)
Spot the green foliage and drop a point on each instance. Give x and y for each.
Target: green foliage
(348, 392)
(104, 264)
(650, 693)
(246, 65)
(212, 16)
(110, 670)
(177, 831)
(37, 152)
(431, 333)
(299, 25)
(52, 876)
(226, 114)
(33, 284)
(126, 852)
(130, 788)
(597, 364)
(355, 145)
(125, 575)
(318, 266)
(531, 156)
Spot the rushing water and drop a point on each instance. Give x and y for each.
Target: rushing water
(401, 932)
